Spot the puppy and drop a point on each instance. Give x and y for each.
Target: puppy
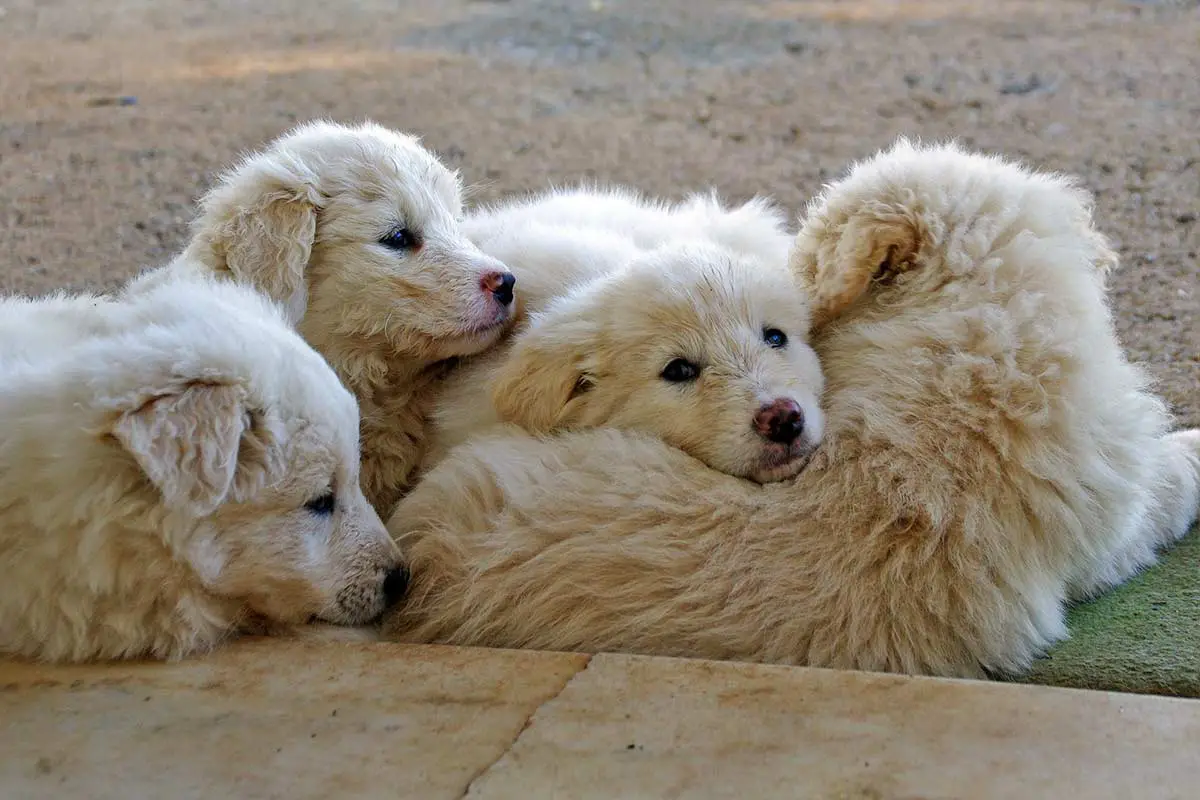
(566, 245)
(989, 454)
(175, 467)
(356, 231)
(560, 238)
(696, 345)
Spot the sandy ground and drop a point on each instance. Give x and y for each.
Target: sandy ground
(114, 115)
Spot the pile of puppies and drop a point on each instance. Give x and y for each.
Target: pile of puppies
(902, 439)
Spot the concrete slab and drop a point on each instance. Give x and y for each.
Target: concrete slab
(279, 719)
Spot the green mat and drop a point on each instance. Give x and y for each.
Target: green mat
(1142, 637)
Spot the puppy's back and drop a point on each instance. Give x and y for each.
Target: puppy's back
(557, 240)
(36, 329)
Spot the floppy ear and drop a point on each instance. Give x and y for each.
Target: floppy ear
(187, 443)
(837, 263)
(536, 382)
(260, 225)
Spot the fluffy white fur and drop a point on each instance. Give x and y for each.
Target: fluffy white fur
(989, 454)
(158, 459)
(601, 355)
(357, 231)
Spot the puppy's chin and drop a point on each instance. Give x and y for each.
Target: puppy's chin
(467, 340)
(779, 464)
(473, 340)
(484, 324)
(346, 617)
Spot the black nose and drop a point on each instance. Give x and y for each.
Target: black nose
(503, 291)
(780, 421)
(395, 584)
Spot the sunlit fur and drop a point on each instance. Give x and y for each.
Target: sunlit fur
(302, 221)
(156, 456)
(989, 453)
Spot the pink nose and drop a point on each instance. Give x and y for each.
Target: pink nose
(500, 284)
(780, 421)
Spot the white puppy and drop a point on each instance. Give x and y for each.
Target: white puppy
(696, 345)
(611, 271)
(356, 231)
(175, 467)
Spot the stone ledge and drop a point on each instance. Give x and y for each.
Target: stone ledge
(272, 718)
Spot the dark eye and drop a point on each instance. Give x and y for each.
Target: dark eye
(401, 239)
(775, 337)
(322, 505)
(680, 371)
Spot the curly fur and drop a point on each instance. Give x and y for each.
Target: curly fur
(989, 455)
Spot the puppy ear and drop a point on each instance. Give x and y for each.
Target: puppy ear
(260, 224)
(537, 382)
(187, 443)
(836, 264)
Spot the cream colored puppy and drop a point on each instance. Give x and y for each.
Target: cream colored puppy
(694, 344)
(175, 467)
(356, 230)
(989, 454)
(567, 245)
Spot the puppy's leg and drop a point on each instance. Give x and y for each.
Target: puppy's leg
(1169, 514)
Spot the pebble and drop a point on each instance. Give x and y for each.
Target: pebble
(120, 100)
(1030, 84)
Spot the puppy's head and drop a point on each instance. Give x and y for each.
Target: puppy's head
(356, 231)
(248, 443)
(695, 345)
(915, 222)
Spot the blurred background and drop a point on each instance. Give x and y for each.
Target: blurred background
(115, 115)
